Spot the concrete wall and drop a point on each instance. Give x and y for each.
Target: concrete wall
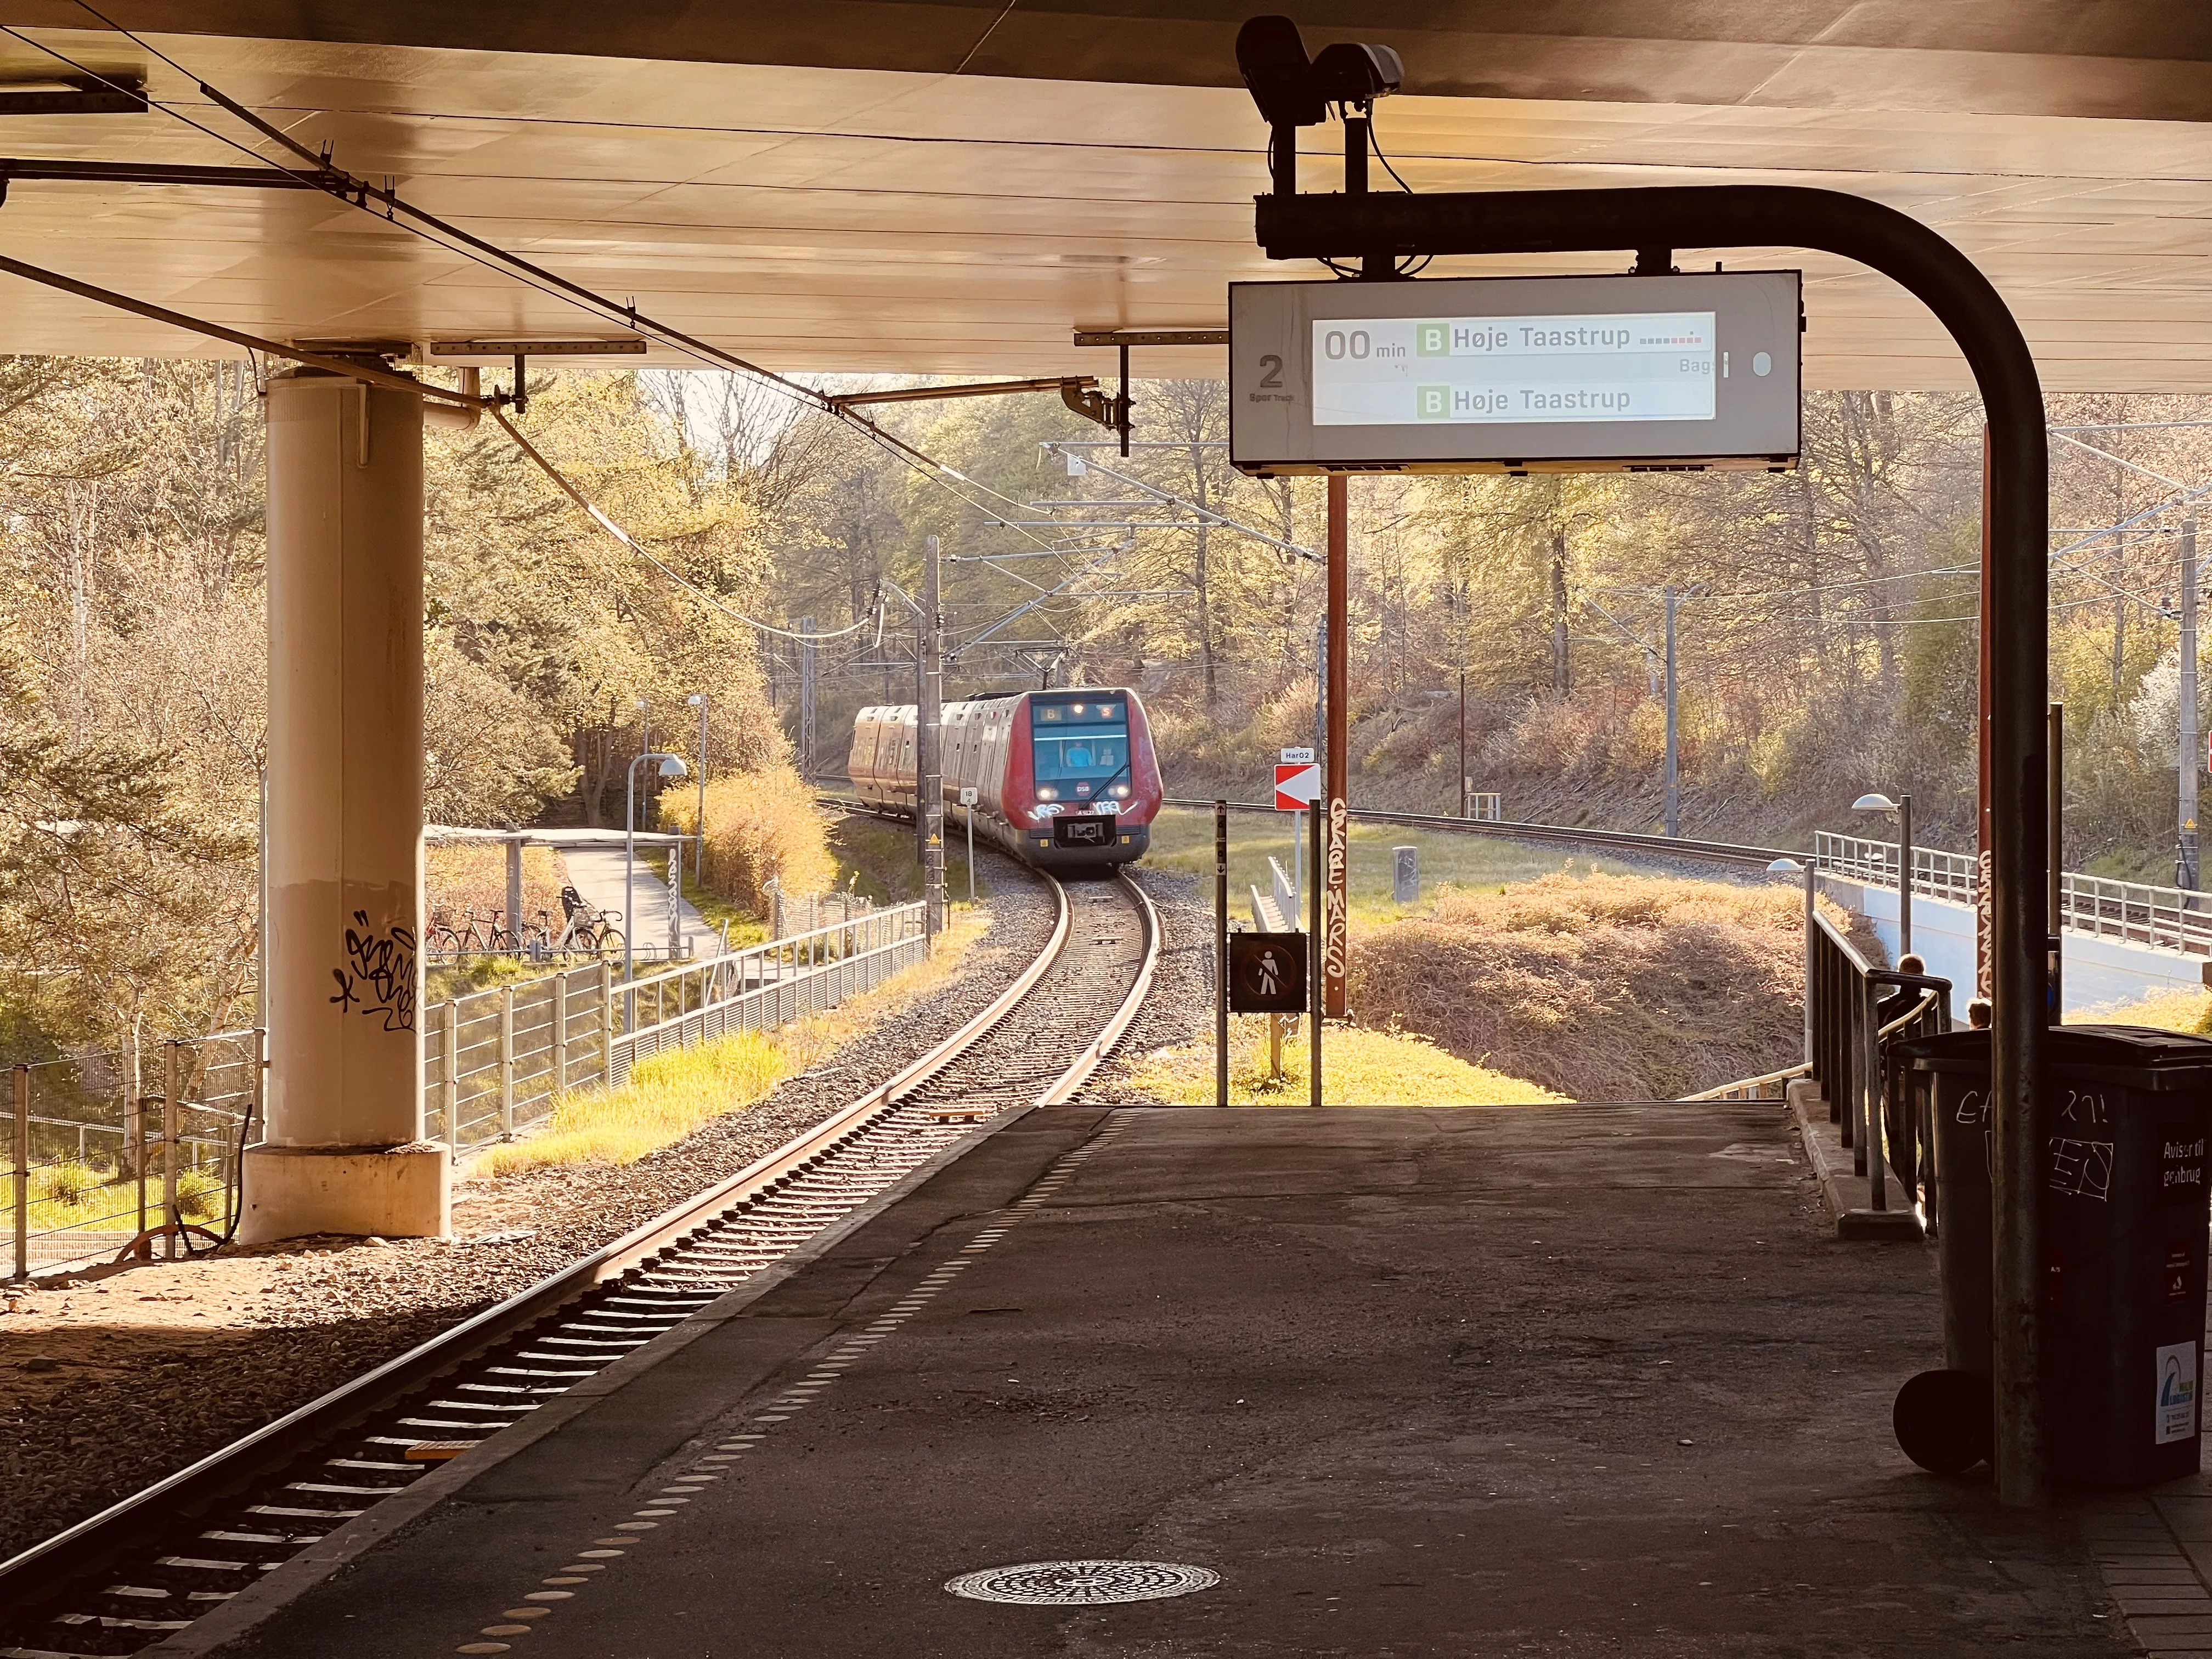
(2099, 973)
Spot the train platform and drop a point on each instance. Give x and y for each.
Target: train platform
(1565, 1381)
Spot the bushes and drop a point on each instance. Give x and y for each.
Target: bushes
(1603, 987)
(761, 826)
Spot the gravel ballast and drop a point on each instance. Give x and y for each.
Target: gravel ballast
(107, 1385)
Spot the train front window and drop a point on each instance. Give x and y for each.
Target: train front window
(1080, 746)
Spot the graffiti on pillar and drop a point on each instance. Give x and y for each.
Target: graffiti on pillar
(379, 975)
(1335, 956)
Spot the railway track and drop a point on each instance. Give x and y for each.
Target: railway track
(151, 1565)
(1670, 847)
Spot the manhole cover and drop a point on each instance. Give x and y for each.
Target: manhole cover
(1076, 1583)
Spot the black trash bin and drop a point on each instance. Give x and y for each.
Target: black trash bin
(2123, 1190)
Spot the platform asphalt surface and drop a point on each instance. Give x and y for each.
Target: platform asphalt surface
(1558, 1381)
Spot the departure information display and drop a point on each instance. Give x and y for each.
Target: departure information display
(1387, 371)
(1516, 374)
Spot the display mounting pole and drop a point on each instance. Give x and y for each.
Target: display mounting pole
(2016, 595)
(1314, 993)
(1333, 875)
(1221, 953)
(2188, 761)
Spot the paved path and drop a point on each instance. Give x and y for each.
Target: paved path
(1566, 1382)
(597, 873)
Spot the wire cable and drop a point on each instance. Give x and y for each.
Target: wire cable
(674, 575)
(359, 193)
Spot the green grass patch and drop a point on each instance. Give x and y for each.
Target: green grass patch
(1183, 839)
(875, 858)
(442, 982)
(745, 928)
(68, 1195)
(1360, 1067)
(669, 1095)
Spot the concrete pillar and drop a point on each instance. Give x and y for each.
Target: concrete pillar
(344, 1151)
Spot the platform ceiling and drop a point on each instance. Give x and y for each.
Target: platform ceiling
(953, 188)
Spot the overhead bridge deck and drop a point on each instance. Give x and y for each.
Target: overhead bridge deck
(1562, 1381)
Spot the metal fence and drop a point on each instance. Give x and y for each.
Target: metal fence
(114, 1147)
(1853, 1008)
(109, 1146)
(2169, 918)
(496, 1058)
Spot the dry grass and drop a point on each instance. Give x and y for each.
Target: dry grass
(1601, 987)
(2171, 1011)
(1360, 1067)
(761, 826)
(670, 1096)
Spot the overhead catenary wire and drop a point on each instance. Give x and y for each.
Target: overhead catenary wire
(359, 193)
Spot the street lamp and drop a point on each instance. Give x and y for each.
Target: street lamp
(698, 701)
(1899, 809)
(1791, 868)
(672, 766)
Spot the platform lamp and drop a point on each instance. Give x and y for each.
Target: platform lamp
(1900, 812)
(1811, 873)
(672, 766)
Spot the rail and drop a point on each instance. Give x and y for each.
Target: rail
(496, 1060)
(1753, 1088)
(1670, 847)
(862, 1150)
(2103, 906)
(106, 1154)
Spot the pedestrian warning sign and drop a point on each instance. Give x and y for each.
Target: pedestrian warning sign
(1268, 973)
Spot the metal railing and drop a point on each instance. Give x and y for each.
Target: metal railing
(496, 1060)
(2142, 913)
(1853, 1008)
(102, 1160)
(1483, 808)
(113, 1149)
(767, 985)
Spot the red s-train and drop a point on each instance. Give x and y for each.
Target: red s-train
(1063, 779)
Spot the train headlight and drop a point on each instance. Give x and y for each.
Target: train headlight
(1121, 792)
(1046, 792)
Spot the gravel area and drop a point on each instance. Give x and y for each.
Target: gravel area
(115, 1380)
(1180, 1008)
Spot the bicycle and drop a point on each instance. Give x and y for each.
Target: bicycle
(591, 931)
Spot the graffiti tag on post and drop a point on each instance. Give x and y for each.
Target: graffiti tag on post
(379, 975)
(1335, 946)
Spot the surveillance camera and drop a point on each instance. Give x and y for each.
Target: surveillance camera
(1354, 73)
(1271, 55)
